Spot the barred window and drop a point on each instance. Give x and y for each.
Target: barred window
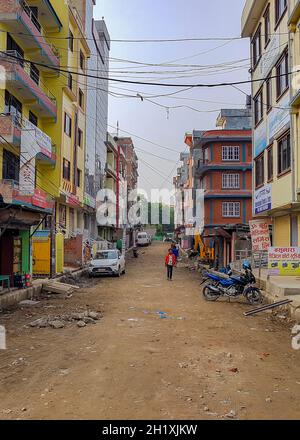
(230, 181)
(231, 209)
(231, 153)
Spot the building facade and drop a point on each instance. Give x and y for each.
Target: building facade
(274, 52)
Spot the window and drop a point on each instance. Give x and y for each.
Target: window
(33, 119)
(280, 8)
(267, 25)
(70, 81)
(68, 125)
(231, 209)
(230, 181)
(66, 169)
(10, 166)
(256, 47)
(81, 60)
(12, 45)
(258, 107)
(230, 153)
(81, 98)
(62, 215)
(79, 137)
(71, 41)
(269, 93)
(259, 171)
(34, 74)
(282, 74)
(78, 177)
(284, 154)
(270, 163)
(12, 105)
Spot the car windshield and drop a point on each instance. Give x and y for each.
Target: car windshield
(142, 236)
(106, 255)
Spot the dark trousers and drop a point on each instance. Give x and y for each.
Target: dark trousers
(169, 271)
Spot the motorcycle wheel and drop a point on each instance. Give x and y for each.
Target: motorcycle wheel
(209, 295)
(254, 296)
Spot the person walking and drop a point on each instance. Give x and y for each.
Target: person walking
(175, 251)
(170, 262)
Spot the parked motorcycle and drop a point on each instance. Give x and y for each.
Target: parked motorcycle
(233, 286)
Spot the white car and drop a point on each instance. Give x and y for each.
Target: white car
(108, 262)
(142, 239)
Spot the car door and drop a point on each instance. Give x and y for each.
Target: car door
(122, 262)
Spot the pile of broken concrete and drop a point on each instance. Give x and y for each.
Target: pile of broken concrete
(82, 319)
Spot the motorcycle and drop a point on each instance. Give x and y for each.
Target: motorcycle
(233, 286)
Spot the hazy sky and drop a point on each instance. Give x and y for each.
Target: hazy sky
(154, 19)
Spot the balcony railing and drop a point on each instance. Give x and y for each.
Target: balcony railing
(38, 26)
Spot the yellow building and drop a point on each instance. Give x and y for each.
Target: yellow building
(274, 140)
(42, 111)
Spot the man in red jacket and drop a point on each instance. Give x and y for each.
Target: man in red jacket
(170, 263)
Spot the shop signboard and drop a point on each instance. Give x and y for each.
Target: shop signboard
(260, 235)
(262, 199)
(260, 139)
(279, 117)
(284, 261)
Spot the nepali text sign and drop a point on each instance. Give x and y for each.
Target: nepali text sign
(284, 261)
(262, 199)
(260, 235)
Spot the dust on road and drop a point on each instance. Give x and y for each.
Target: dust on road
(159, 352)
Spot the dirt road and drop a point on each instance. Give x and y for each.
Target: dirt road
(202, 361)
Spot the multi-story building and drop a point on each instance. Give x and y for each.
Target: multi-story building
(275, 133)
(223, 171)
(43, 120)
(179, 182)
(126, 144)
(96, 113)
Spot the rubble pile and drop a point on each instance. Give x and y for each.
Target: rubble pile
(82, 319)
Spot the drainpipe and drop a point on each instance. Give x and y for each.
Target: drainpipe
(118, 188)
(293, 127)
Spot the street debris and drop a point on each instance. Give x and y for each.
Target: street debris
(58, 322)
(231, 414)
(234, 370)
(58, 288)
(28, 303)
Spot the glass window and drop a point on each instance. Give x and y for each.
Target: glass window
(231, 209)
(81, 60)
(66, 169)
(10, 166)
(231, 153)
(284, 154)
(230, 181)
(256, 47)
(79, 138)
(107, 255)
(12, 105)
(258, 107)
(78, 177)
(70, 81)
(259, 171)
(81, 98)
(267, 25)
(280, 8)
(282, 74)
(270, 163)
(71, 41)
(68, 125)
(33, 118)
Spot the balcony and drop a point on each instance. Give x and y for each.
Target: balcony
(16, 130)
(110, 170)
(17, 14)
(251, 15)
(26, 85)
(204, 166)
(10, 129)
(11, 194)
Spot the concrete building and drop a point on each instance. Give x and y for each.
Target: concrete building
(96, 113)
(275, 132)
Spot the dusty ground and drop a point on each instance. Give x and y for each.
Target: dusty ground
(201, 362)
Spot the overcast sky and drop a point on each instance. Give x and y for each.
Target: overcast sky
(154, 19)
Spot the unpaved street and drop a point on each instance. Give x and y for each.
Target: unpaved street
(203, 360)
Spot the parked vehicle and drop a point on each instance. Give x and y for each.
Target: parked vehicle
(108, 262)
(142, 239)
(169, 237)
(232, 286)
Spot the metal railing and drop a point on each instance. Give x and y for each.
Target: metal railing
(15, 58)
(26, 8)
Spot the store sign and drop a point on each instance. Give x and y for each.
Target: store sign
(33, 141)
(72, 200)
(269, 57)
(279, 117)
(284, 261)
(260, 139)
(89, 201)
(262, 199)
(39, 199)
(260, 235)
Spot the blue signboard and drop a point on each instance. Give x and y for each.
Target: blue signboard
(260, 139)
(262, 199)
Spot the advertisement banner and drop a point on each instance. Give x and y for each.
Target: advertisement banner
(260, 139)
(262, 199)
(284, 261)
(279, 117)
(260, 235)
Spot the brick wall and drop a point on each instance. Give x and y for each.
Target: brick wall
(73, 251)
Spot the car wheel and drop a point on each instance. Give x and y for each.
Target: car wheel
(124, 271)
